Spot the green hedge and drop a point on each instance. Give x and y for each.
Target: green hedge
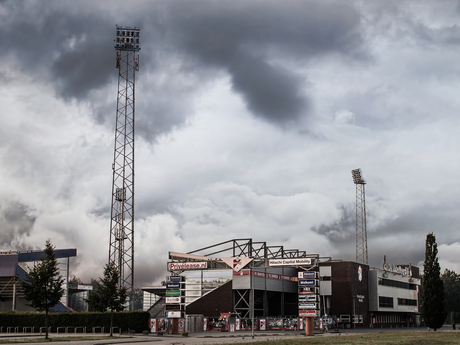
(138, 321)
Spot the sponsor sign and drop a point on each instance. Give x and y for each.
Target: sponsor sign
(307, 313)
(307, 275)
(172, 300)
(307, 282)
(175, 278)
(187, 266)
(308, 305)
(308, 290)
(173, 314)
(173, 285)
(262, 325)
(291, 262)
(153, 325)
(308, 298)
(172, 306)
(237, 263)
(170, 293)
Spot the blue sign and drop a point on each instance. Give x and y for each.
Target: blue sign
(307, 282)
(175, 278)
(173, 285)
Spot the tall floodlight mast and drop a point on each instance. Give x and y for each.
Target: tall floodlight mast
(121, 248)
(361, 231)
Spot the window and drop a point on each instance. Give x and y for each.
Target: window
(398, 284)
(385, 302)
(404, 301)
(344, 318)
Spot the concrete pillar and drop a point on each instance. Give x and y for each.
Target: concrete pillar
(308, 326)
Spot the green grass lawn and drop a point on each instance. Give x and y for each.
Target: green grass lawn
(399, 338)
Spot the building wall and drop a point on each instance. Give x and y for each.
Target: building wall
(213, 303)
(403, 292)
(350, 291)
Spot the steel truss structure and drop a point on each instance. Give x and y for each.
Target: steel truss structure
(121, 247)
(361, 231)
(260, 252)
(243, 300)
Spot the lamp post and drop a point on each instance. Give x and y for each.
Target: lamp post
(121, 245)
(361, 231)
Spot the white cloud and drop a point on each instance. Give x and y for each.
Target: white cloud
(208, 170)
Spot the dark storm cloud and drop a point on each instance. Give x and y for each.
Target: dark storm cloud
(73, 49)
(72, 46)
(342, 230)
(270, 93)
(401, 238)
(15, 220)
(243, 38)
(421, 220)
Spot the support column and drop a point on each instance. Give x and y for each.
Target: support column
(309, 326)
(14, 294)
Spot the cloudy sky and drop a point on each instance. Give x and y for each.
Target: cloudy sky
(250, 116)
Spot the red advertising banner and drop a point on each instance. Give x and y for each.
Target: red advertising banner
(265, 275)
(307, 313)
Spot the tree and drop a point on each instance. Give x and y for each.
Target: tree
(451, 282)
(107, 294)
(433, 311)
(43, 284)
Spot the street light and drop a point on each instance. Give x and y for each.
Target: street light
(357, 177)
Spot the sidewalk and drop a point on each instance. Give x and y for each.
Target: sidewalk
(195, 338)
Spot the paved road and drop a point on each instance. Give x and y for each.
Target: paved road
(213, 337)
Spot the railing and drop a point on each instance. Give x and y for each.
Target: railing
(60, 329)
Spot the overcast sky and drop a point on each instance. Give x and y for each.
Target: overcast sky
(250, 116)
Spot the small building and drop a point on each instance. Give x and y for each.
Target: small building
(13, 267)
(78, 295)
(394, 296)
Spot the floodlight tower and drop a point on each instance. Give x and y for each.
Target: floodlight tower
(121, 247)
(361, 231)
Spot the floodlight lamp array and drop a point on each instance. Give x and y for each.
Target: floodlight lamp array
(127, 39)
(357, 177)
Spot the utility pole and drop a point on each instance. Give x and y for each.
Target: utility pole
(121, 247)
(361, 231)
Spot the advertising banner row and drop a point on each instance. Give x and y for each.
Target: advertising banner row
(165, 325)
(238, 263)
(223, 324)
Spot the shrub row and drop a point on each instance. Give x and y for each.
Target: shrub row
(138, 321)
